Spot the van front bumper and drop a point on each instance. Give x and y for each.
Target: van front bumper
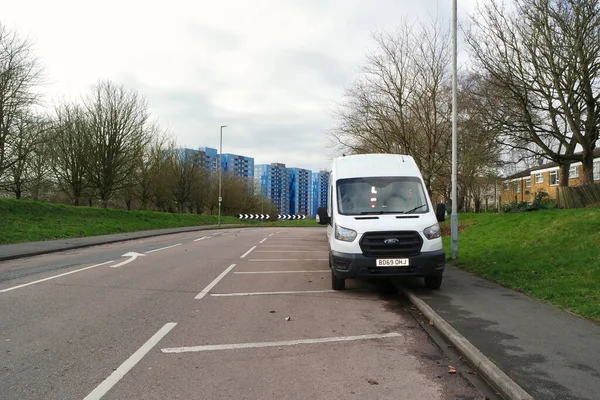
(347, 265)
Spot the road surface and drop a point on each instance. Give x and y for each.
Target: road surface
(228, 314)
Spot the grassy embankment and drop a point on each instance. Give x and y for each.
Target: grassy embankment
(552, 255)
(29, 221)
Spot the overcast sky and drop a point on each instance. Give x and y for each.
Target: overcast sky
(272, 70)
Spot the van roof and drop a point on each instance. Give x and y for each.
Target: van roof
(369, 165)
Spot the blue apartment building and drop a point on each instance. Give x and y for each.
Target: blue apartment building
(237, 165)
(272, 181)
(300, 191)
(320, 191)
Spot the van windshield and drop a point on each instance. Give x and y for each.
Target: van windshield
(381, 195)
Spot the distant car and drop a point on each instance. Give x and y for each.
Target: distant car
(381, 222)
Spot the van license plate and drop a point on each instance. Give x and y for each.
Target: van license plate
(392, 262)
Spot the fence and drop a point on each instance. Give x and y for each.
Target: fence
(578, 196)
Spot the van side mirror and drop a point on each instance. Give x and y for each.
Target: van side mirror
(322, 217)
(440, 212)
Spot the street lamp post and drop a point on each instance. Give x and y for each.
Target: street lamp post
(220, 168)
(454, 215)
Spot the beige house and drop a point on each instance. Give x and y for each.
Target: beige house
(523, 185)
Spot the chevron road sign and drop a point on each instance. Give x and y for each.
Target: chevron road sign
(254, 216)
(287, 217)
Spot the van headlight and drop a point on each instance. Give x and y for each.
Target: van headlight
(344, 234)
(432, 232)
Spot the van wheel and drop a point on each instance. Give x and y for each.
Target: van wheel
(433, 282)
(337, 283)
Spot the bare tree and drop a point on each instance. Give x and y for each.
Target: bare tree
(401, 103)
(20, 73)
(70, 151)
(119, 132)
(30, 132)
(185, 169)
(148, 164)
(542, 60)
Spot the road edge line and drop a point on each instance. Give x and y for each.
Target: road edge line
(508, 388)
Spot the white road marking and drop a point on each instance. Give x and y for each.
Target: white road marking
(262, 241)
(54, 277)
(202, 238)
(163, 248)
(120, 372)
(286, 251)
(237, 346)
(287, 259)
(205, 291)
(248, 252)
(279, 246)
(269, 293)
(281, 272)
(131, 254)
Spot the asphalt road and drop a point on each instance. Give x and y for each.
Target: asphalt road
(234, 314)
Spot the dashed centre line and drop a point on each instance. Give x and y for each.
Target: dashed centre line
(162, 248)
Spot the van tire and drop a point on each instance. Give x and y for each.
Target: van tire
(433, 282)
(337, 283)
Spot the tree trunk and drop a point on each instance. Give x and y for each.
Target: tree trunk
(563, 175)
(588, 167)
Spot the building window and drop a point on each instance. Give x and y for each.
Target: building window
(597, 170)
(553, 178)
(528, 182)
(573, 172)
(539, 178)
(506, 188)
(516, 186)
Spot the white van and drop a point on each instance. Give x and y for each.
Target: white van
(381, 222)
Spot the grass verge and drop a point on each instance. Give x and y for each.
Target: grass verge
(552, 255)
(29, 221)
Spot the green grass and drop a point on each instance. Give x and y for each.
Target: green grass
(552, 255)
(29, 221)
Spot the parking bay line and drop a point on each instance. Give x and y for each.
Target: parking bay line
(270, 293)
(248, 252)
(285, 251)
(120, 372)
(281, 272)
(236, 346)
(162, 248)
(54, 277)
(205, 291)
(286, 259)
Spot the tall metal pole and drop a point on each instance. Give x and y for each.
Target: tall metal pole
(220, 168)
(454, 215)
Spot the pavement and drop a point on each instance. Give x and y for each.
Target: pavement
(552, 354)
(19, 250)
(219, 314)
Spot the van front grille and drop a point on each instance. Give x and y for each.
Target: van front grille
(399, 244)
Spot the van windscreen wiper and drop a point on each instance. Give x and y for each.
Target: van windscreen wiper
(415, 209)
(379, 212)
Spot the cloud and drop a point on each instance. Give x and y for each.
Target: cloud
(270, 70)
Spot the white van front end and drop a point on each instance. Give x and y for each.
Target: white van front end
(381, 222)
(386, 246)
